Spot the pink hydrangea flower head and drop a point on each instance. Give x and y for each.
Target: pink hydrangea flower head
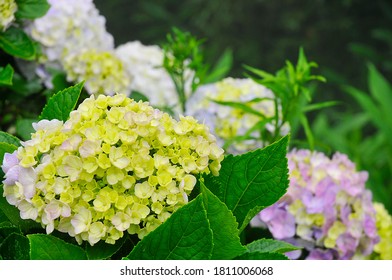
(326, 207)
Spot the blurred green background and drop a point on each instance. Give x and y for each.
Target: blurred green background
(339, 35)
(351, 40)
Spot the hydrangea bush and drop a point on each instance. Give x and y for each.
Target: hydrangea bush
(115, 169)
(118, 178)
(327, 208)
(115, 165)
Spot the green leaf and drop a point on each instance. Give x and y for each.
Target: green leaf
(8, 138)
(48, 247)
(15, 42)
(221, 68)
(253, 181)
(241, 106)
(370, 107)
(308, 131)
(24, 128)
(321, 105)
(102, 250)
(24, 87)
(15, 247)
(6, 75)
(379, 87)
(62, 103)
(261, 256)
(13, 215)
(137, 96)
(31, 9)
(381, 90)
(270, 246)
(6, 230)
(185, 235)
(224, 227)
(259, 72)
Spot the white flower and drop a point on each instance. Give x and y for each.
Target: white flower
(227, 122)
(68, 27)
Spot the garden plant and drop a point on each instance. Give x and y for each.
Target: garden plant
(149, 152)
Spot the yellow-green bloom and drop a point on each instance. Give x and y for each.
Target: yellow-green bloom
(116, 165)
(383, 249)
(7, 13)
(102, 72)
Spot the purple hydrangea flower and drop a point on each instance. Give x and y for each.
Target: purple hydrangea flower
(326, 207)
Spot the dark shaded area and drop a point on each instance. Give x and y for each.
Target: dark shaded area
(338, 35)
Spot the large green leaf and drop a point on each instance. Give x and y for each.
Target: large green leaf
(8, 138)
(31, 9)
(7, 229)
(48, 247)
(253, 181)
(15, 42)
(261, 256)
(102, 250)
(62, 103)
(270, 246)
(227, 244)
(15, 247)
(6, 75)
(185, 235)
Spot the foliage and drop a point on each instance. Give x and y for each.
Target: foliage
(292, 92)
(184, 61)
(16, 47)
(365, 135)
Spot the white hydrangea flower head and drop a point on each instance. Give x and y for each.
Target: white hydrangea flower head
(227, 122)
(102, 72)
(7, 13)
(116, 165)
(144, 64)
(70, 26)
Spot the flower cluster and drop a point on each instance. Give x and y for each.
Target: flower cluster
(326, 209)
(144, 64)
(116, 165)
(7, 13)
(73, 38)
(102, 72)
(68, 27)
(383, 249)
(228, 122)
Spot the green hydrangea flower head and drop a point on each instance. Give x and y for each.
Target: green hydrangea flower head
(115, 165)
